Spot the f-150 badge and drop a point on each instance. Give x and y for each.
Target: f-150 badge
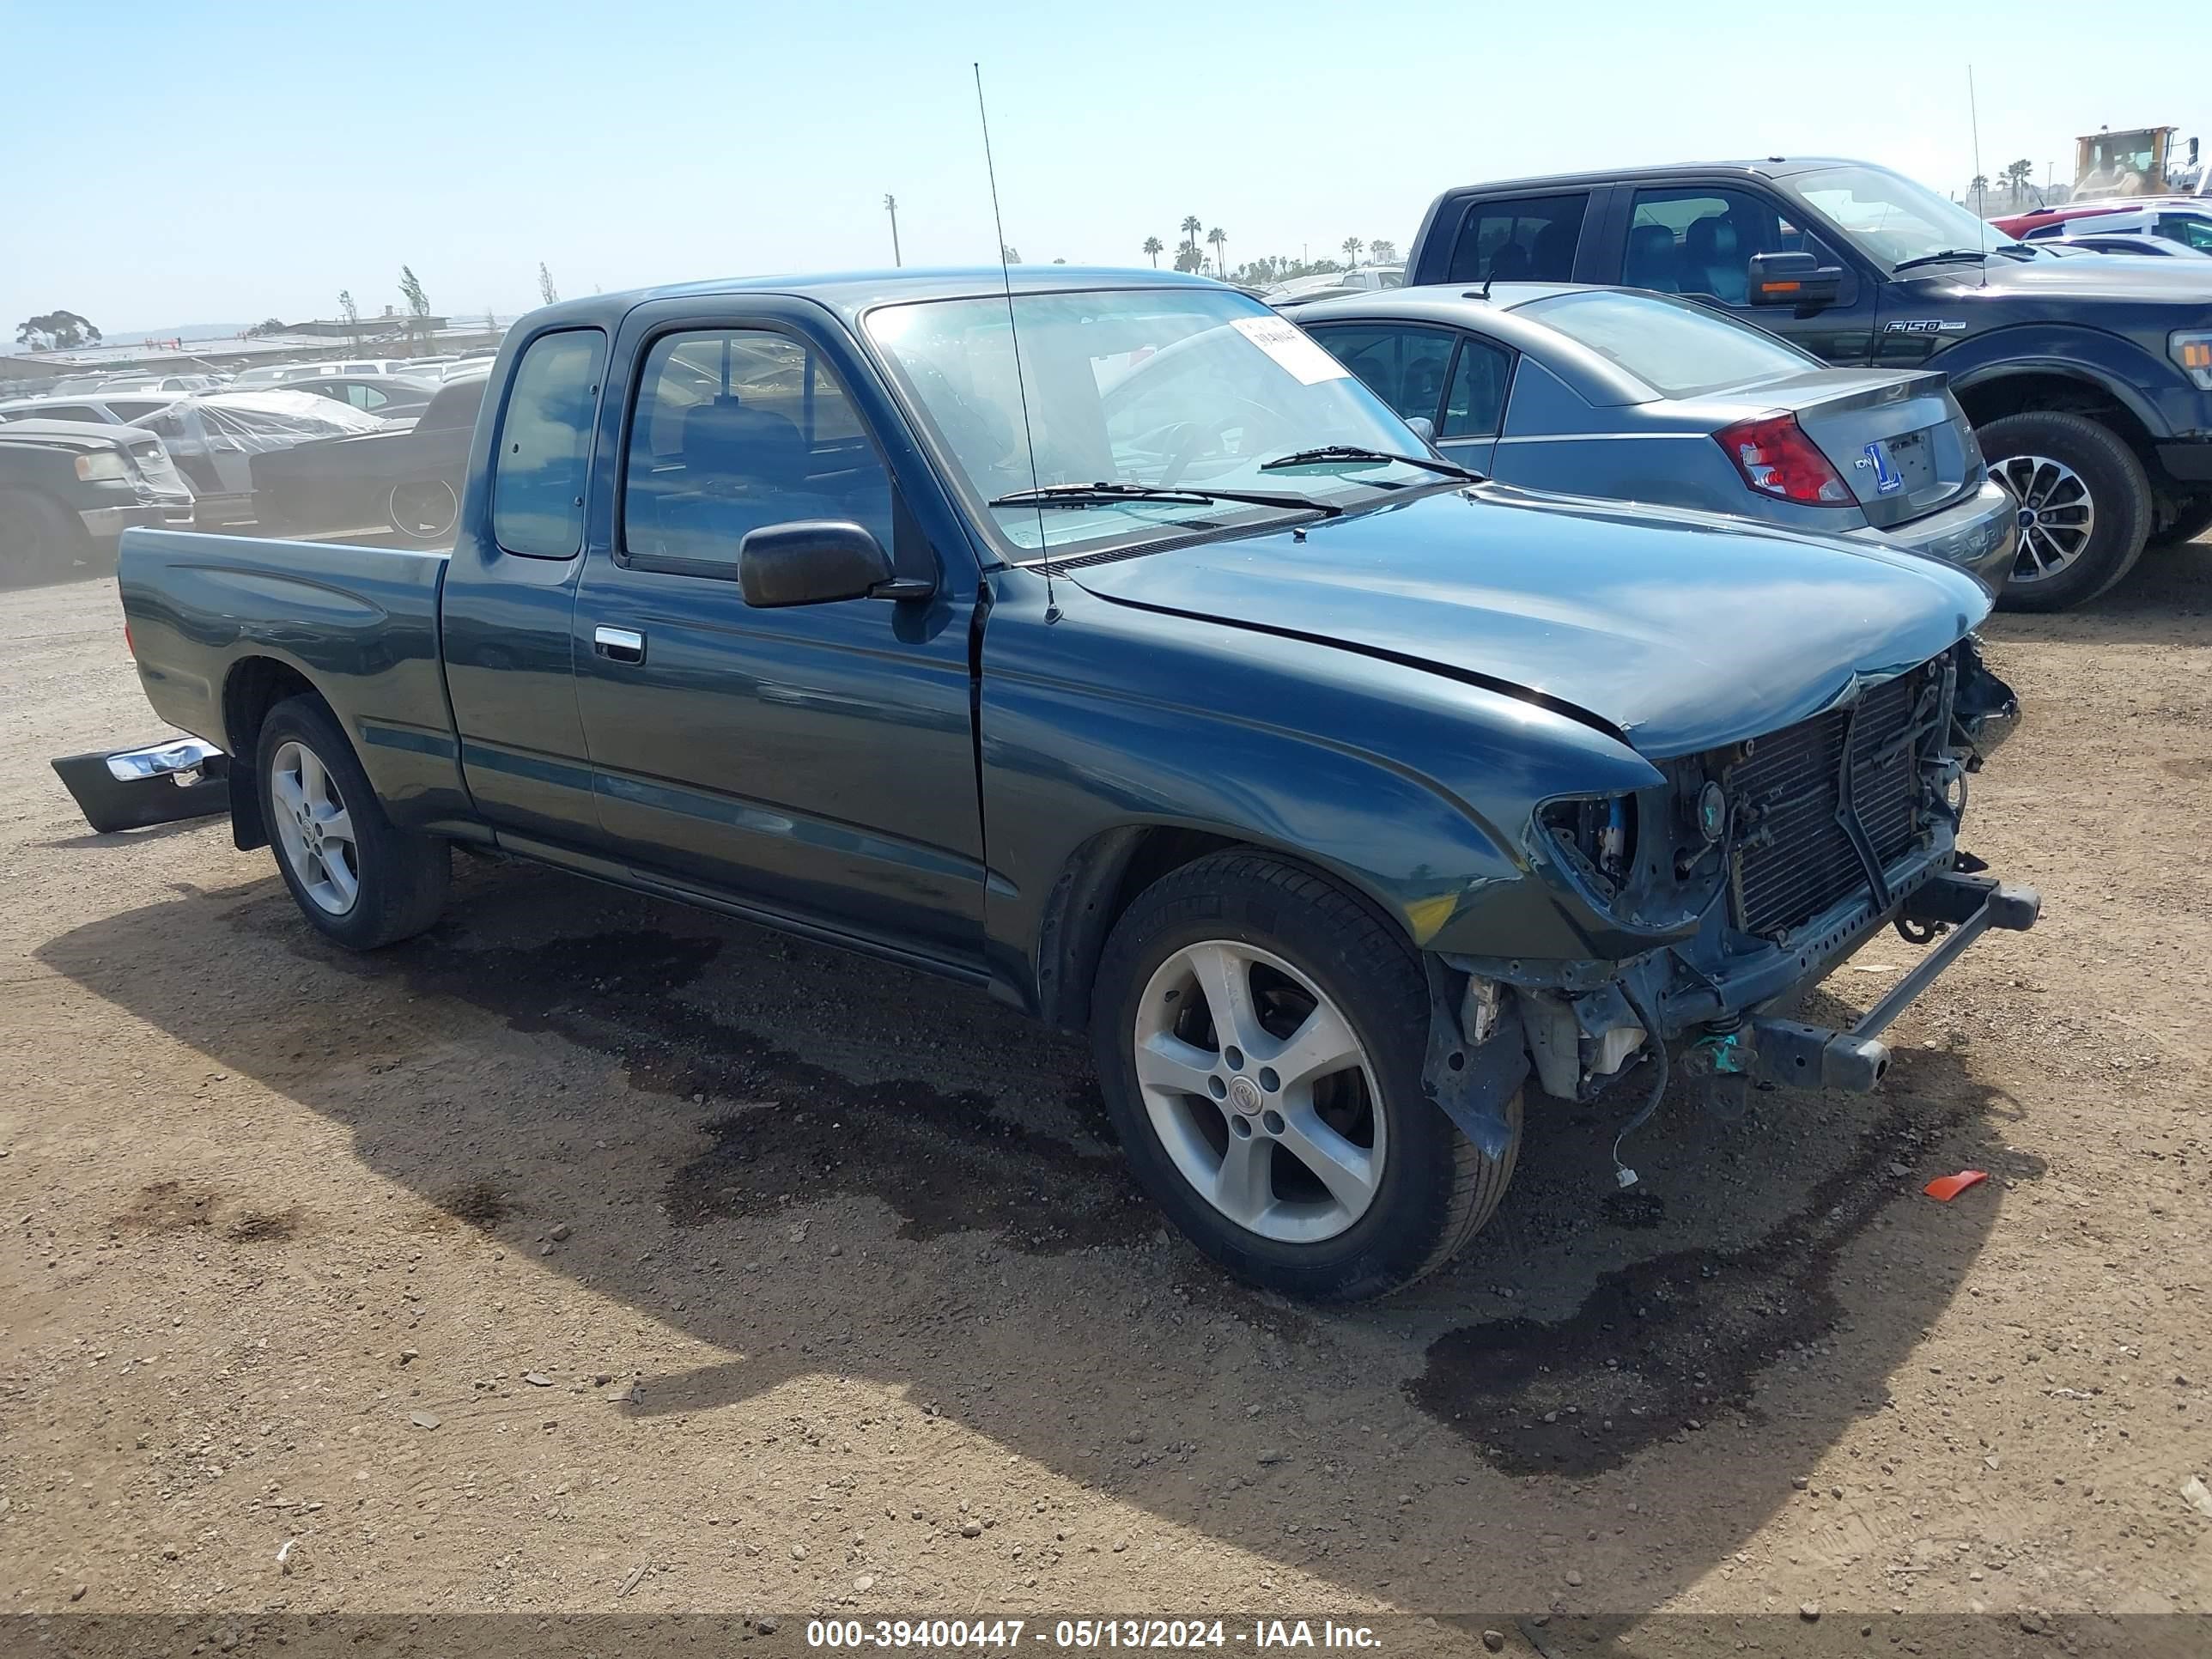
(1925, 326)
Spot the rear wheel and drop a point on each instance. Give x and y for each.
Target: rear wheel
(2191, 518)
(362, 880)
(2085, 506)
(41, 540)
(1260, 1033)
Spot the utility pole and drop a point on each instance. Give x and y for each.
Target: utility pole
(891, 206)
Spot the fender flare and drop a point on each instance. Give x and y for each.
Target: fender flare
(2085, 356)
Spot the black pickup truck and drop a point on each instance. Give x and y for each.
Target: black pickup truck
(70, 489)
(2088, 378)
(1166, 684)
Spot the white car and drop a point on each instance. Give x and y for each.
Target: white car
(274, 374)
(2177, 220)
(102, 408)
(1367, 279)
(177, 384)
(2140, 243)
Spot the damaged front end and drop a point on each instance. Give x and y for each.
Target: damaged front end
(1751, 874)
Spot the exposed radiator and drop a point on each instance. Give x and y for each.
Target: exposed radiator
(1793, 857)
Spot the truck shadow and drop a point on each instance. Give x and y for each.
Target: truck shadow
(826, 1165)
(2166, 598)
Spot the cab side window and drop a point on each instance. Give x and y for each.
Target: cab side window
(1521, 239)
(1699, 240)
(735, 430)
(545, 445)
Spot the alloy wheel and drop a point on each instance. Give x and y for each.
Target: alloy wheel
(314, 829)
(1260, 1090)
(2057, 514)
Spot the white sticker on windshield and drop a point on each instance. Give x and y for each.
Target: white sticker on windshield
(1292, 349)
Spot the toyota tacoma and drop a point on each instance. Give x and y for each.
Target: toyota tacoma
(1096, 638)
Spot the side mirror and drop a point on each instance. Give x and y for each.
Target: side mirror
(1794, 279)
(816, 560)
(1424, 428)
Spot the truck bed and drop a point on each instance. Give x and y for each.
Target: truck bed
(207, 612)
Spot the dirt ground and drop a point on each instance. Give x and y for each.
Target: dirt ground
(592, 1255)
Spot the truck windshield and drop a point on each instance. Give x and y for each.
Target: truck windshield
(1892, 219)
(1182, 389)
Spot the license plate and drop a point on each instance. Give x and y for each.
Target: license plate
(1901, 465)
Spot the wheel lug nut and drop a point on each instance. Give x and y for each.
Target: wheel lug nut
(1274, 1121)
(1241, 1128)
(1220, 1089)
(1269, 1080)
(1234, 1056)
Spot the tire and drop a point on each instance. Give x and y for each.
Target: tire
(1301, 949)
(2192, 517)
(41, 540)
(2076, 475)
(373, 885)
(423, 509)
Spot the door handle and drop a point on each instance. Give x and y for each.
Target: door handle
(619, 644)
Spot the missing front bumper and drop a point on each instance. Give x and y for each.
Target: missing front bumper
(1785, 1051)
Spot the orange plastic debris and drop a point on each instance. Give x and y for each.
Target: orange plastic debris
(1944, 1189)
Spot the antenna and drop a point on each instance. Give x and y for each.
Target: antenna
(1014, 338)
(1982, 193)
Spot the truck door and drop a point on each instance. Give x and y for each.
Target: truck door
(510, 586)
(815, 762)
(1697, 241)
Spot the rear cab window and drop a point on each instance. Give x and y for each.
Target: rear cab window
(545, 444)
(1520, 239)
(1676, 347)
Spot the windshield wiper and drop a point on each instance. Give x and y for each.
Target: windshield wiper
(1354, 453)
(1939, 258)
(1108, 493)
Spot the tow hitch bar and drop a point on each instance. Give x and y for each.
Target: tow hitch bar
(1811, 1056)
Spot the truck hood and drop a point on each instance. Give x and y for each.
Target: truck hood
(1678, 630)
(2138, 278)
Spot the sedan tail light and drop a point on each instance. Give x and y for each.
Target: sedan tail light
(1777, 458)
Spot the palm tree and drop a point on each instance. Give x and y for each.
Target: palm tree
(1217, 239)
(2017, 175)
(1190, 230)
(1980, 190)
(1352, 244)
(1383, 252)
(1154, 247)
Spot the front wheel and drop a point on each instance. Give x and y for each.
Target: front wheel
(1260, 1034)
(41, 540)
(2085, 506)
(358, 878)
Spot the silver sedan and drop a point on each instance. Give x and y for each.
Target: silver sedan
(1641, 397)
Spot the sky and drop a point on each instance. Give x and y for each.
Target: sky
(194, 160)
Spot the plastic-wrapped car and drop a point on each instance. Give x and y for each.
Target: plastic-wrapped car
(214, 439)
